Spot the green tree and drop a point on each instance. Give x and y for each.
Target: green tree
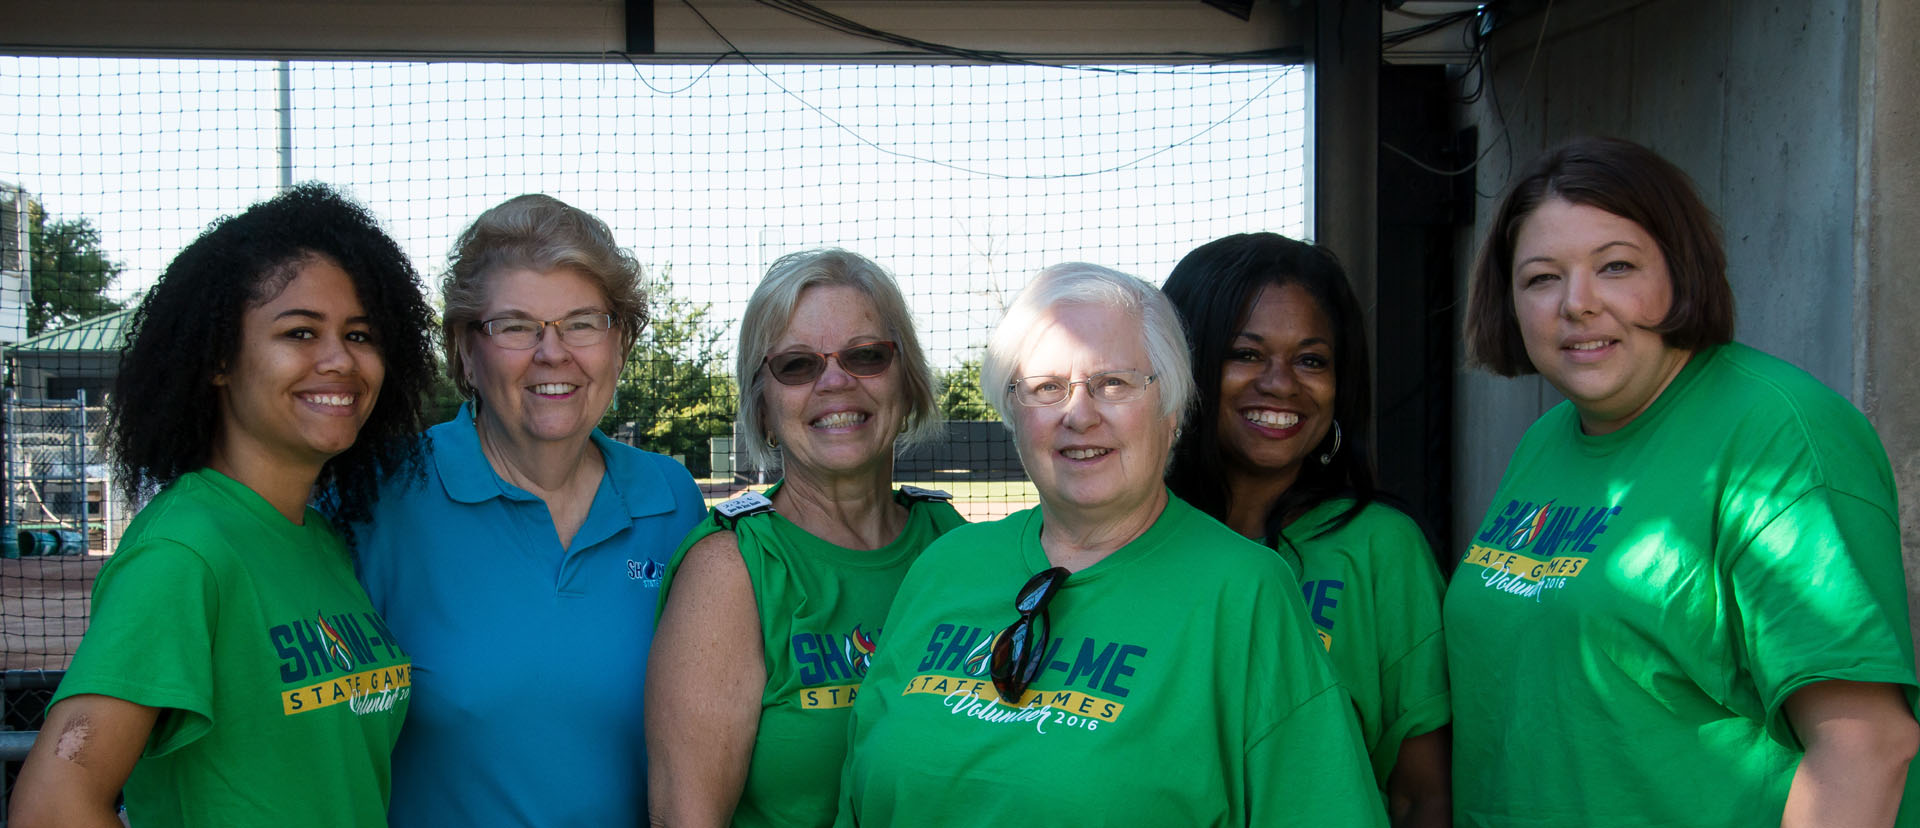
(443, 399)
(677, 389)
(960, 395)
(71, 272)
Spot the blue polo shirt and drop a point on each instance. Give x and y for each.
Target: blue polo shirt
(528, 659)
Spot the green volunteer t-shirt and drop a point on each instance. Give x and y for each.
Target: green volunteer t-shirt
(1373, 590)
(1637, 606)
(821, 610)
(1182, 686)
(281, 691)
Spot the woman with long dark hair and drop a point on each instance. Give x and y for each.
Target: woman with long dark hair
(1277, 450)
(234, 672)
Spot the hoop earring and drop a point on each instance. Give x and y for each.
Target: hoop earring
(772, 441)
(1327, 458)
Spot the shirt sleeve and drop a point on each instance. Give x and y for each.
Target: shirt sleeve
(1414, 697)
(150, 640)
(1819, 595)
(1310, 769)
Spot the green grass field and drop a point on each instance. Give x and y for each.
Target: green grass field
(962, 490)
(975, 499)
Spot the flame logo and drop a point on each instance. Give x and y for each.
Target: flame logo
(1530, 528)
(336, 643)
(859, 650)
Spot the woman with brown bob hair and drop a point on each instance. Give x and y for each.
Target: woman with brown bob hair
(1686, 594)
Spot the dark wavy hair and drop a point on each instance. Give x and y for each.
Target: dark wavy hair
(1214, 288)
(1629, 181)
(164, 410)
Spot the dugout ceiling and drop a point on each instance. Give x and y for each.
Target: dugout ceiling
(658, 30)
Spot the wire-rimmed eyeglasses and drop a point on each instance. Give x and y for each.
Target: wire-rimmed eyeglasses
(517, 333)
(1106, 386)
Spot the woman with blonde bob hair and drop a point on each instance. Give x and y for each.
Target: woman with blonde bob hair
(1686, 596)
(521, 573)
(773, 606)
(1113, 630)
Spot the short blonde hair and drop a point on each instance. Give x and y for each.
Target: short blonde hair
(1079, 283)
(769, 312)
(540, 233)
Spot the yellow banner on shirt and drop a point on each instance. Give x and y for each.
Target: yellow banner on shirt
(1523, 567)
(343, 689)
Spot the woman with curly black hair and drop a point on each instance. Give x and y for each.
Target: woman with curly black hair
(234, 672)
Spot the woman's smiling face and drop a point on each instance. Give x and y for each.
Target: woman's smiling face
(306, 374)
(838, 423)
(1090, 459)
(1588, 286)
(1277, 387)
(552, 391)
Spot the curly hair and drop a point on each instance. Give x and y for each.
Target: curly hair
(1214, 288)
(164, 410)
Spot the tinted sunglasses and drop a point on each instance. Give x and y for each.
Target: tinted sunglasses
(1018, 654)
(868, 359)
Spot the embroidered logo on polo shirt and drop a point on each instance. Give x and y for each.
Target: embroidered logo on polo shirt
(648, 573)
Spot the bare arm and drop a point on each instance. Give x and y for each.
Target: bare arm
(80, 762)
(704, 682)
(1859, 737)
(1420, 789)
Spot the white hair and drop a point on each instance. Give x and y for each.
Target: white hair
(1079, 283)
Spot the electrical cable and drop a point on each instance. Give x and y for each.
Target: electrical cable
(811, 13)
(1399, 36)
(657, 90)
(735, 51)
(1506, 131)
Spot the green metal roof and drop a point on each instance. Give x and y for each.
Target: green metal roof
(105, 333)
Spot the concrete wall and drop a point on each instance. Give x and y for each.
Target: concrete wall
(1888, 233)
(1796, 119)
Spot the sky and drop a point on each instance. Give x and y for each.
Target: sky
(962, 180)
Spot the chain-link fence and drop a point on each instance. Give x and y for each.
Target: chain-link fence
(63, 515)
(23, 705)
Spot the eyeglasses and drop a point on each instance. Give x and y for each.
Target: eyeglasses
(1106, 386)
(1016, 661)
(868, 359)
(519, 334)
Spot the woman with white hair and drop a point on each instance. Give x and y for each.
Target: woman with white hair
(1113, 656)
(772, 606)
